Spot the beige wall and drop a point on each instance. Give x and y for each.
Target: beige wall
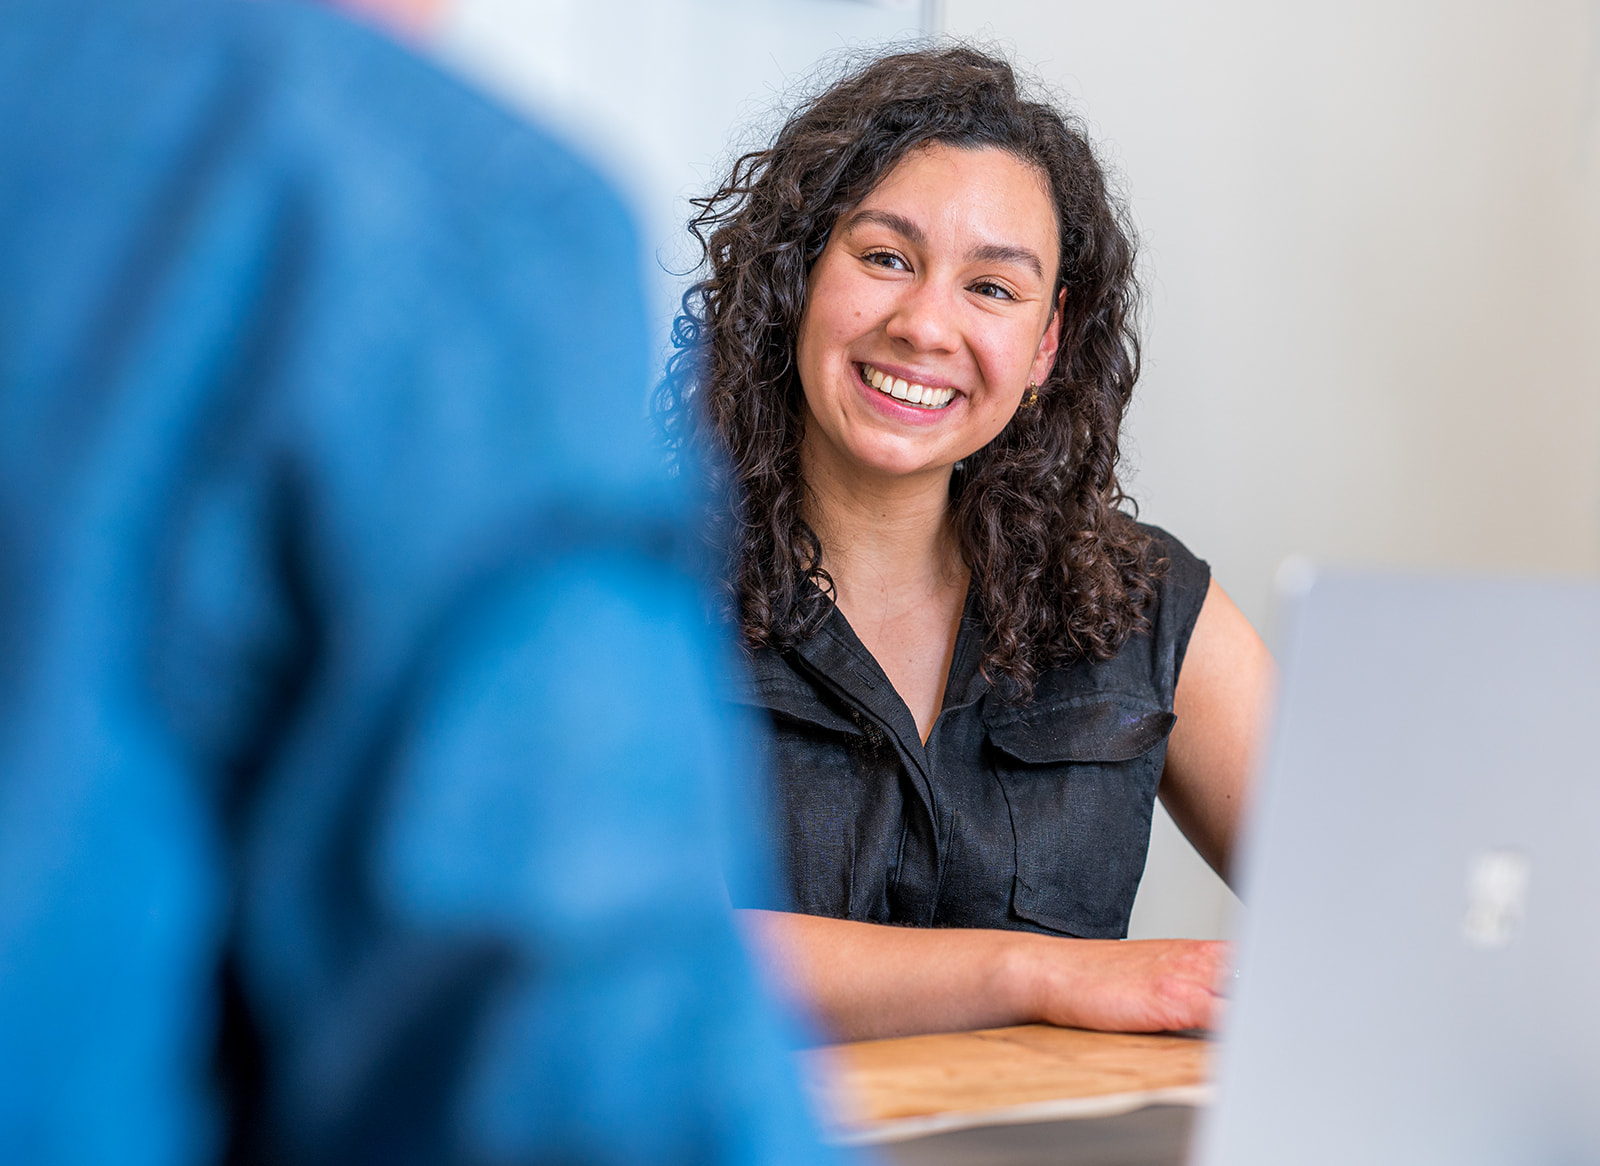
(1372, 243)
(1371, 238)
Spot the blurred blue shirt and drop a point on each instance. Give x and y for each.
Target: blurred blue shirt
(361, 797)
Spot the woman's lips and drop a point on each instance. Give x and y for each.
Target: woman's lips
(904, 391)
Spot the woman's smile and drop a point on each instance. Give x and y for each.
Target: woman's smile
(901, 397)
(913, 393)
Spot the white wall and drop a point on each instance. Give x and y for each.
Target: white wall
(661, 92)
(1371, 238)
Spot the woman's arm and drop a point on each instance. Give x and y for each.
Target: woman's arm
(1223, 701)
(866, 980)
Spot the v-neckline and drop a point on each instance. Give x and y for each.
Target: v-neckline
(869, 685)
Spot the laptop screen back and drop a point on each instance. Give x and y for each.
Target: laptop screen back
(1420, 951)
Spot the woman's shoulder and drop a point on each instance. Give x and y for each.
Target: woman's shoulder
(1182, 581)
(1179, 572)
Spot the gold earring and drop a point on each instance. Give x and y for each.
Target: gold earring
(1032, 398)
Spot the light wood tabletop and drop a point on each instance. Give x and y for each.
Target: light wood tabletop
(885, 1090)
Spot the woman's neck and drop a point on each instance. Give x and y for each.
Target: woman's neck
(881, 531)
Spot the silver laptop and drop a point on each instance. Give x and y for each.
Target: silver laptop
(1420, 955)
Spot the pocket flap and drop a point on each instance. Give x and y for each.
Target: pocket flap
(789, 700)
(1084, 729)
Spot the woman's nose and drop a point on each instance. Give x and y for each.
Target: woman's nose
(925, 318)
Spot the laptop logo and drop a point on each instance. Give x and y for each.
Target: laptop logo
(1497, 889)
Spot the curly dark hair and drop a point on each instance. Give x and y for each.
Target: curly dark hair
(1059, 569)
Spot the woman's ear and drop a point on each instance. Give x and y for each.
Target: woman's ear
(1050, 343)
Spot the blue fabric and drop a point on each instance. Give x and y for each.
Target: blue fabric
(361, 797)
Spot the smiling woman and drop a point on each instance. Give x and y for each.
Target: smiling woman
(907, 363)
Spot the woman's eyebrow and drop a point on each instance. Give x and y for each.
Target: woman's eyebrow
(1007, 253)
(899, 224)
(984, 253)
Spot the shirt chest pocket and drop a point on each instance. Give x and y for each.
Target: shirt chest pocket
(1080, 778)
(835, 828)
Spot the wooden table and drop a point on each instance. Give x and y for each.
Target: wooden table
(888, 1091)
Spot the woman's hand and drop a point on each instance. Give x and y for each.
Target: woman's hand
(1134, 985)
(866, 980)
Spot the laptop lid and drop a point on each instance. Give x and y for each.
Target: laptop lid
(1420, 953)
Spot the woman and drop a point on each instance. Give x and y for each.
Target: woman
(909, 359)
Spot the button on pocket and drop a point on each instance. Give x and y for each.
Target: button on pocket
(1080, 776)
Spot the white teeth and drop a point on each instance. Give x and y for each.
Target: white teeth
(903, 390)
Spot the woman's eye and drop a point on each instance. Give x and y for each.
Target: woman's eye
(886, 259)
(993, 291)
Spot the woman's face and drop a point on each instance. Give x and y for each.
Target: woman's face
(936, 286)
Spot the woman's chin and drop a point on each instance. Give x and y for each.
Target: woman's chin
(862, 446)
(892, 465)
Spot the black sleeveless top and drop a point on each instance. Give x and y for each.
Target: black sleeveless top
(1032, 817)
